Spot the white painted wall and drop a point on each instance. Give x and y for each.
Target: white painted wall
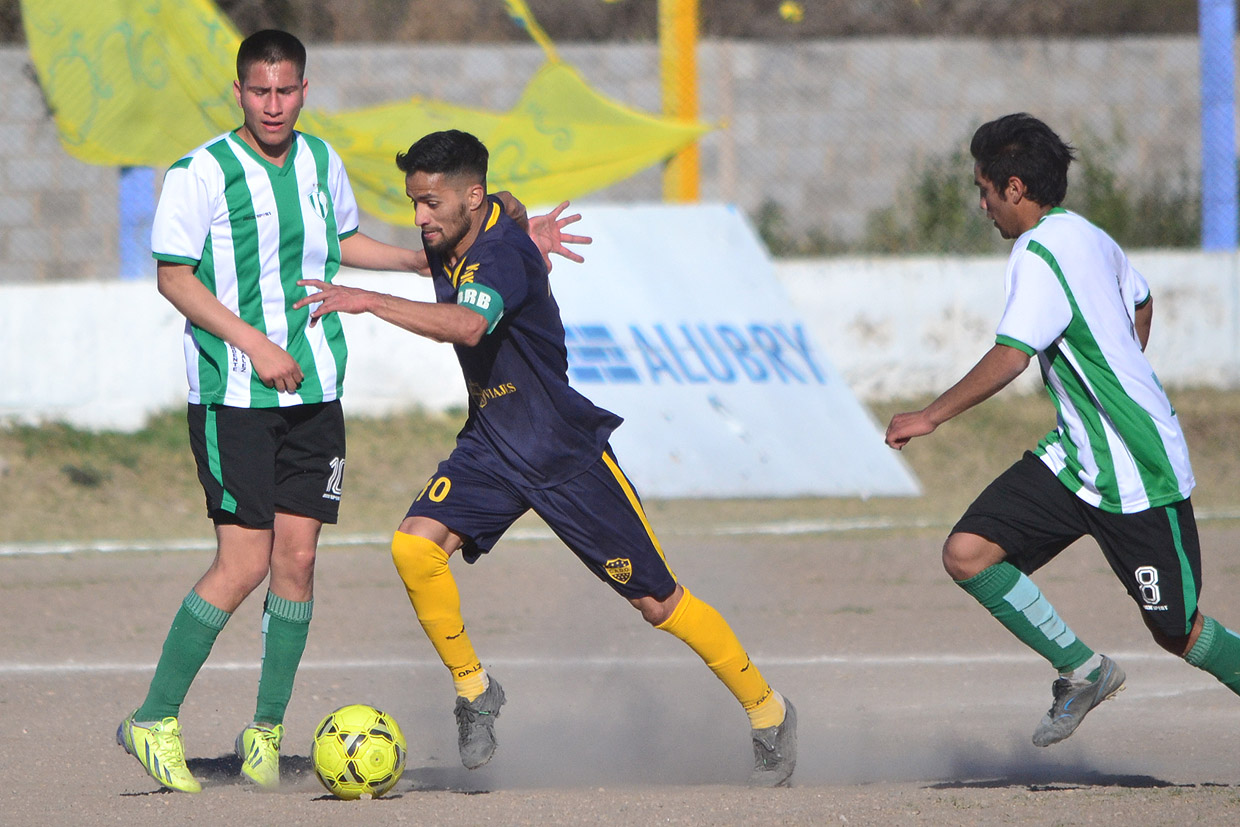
(905, 326)
(107, 354)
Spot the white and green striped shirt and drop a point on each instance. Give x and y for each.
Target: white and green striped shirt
(1071, 301)
(251, 230)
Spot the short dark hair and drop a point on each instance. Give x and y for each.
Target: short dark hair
(451, 152)
(1021, 146)
(270, 46)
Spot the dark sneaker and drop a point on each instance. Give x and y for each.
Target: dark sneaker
(475, 725)
(775, 751)
(1074, 700)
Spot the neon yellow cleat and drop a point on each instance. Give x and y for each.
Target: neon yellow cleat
(159, 750)
(258, 747)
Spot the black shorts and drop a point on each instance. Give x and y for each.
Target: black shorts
(1155, 553)
(597, 514)
(253, 462)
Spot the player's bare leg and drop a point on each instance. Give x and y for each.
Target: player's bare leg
(772, 718)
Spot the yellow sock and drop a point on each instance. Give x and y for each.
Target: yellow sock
(705, 631)
(423, 566)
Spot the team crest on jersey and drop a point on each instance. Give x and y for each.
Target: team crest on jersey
(318, 202)
(619, 569)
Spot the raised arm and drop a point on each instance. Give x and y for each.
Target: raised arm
(992, 373)
(274, 366)
(365, 253)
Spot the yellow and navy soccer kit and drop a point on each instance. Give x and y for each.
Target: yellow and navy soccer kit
(530, 440)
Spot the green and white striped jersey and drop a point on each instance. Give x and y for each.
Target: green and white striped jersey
(1072, 297)
(251, 230)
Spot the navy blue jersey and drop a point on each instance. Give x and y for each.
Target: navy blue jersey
(524, 417)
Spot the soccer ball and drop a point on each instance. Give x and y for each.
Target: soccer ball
(358, 751)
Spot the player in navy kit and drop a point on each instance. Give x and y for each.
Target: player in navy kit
(530, 442)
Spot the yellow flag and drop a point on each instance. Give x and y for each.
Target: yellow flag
(142, 82)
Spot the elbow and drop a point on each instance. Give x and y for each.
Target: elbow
(473, 331)
(164, 284)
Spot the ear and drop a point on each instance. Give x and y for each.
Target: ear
(237, 91)
(1015, 191)
(476, 196)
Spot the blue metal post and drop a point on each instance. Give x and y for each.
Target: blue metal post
(136, 208)
(1217, 29)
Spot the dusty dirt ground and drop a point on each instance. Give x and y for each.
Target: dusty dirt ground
(915, 706)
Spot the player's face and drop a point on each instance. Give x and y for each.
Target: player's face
(443, 210)
(998, 209)
(270, 96)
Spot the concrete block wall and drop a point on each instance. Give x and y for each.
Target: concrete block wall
(829, 130)
(58, 216)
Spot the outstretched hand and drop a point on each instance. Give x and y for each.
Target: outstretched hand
(333, 298)
(905, 426)
(547, 231)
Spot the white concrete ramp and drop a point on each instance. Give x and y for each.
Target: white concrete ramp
(677, 322)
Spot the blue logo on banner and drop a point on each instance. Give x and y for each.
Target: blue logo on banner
(594, 355)
(693, 354)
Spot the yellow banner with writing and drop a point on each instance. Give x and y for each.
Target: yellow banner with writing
(142, 82)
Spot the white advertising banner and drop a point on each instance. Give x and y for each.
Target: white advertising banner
(677, 323)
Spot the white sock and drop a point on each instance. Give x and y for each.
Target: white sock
(1081, 673)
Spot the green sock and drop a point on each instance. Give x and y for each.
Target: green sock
(1217, 651)
(189, 641)
(1018, 604)
(285, 626)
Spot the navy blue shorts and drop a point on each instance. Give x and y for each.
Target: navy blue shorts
(597, 514)
(253, 462)
(1155, 553)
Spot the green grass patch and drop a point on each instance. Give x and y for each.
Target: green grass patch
(61, 483)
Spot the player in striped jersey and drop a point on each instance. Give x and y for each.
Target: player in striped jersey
(240, 221)
(1115, 467)
(531, 441)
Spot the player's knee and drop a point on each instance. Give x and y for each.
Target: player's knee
(967, 555)
(657, 612)
(296, 560)
(1177, 645)
(417, 559)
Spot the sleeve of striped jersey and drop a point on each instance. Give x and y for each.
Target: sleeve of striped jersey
(183, 215)
(1136, 285)
(1037, 310)
(343, 202)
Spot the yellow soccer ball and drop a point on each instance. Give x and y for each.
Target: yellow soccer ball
(358, 751)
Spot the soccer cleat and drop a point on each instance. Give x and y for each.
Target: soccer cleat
(775, 751)
(258, 747)
(1074, 700)
(159, 750)
(475, 725)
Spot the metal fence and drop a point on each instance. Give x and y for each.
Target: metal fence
(827, 145)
